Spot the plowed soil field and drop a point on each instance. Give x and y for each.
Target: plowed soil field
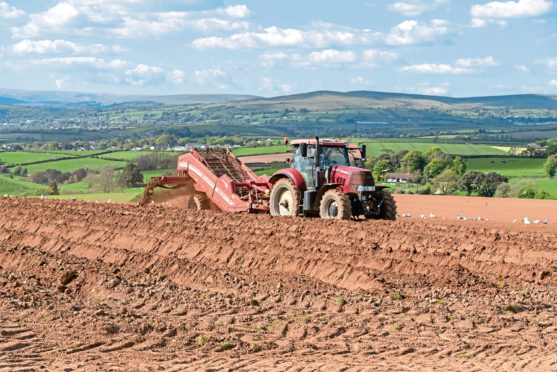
(87, 286)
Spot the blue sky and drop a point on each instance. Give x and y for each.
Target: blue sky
(274, 47)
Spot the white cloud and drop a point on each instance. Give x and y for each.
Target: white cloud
(272, 85)
(477, 62)
(511, 9)
(10, 12)
(62, 82)
(413, 8)
(325, 57)
(550, 62)
(553, 83)
(142, 75)
(360, 80)
(52, 20)
(497, 11)
(321, 36)
(167, 22)
(411, 32)
(522, 68)
(124, 18)
(236, 11)
(439, 90)
(99, 63)
(270, 59)
(434, 68)
(176, 76)
(60, 46)
(373, 57)
(212, 77)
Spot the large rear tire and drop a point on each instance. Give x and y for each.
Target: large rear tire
(388, 208)
(199, 202)
(285, 198)
(335, 204)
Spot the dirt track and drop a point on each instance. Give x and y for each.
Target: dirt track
(99, 286)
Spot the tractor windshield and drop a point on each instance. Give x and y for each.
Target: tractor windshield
(328, 156)
(333, 156)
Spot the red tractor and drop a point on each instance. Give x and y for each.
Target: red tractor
(320, 182)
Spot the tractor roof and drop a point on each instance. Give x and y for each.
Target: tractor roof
(322, 142)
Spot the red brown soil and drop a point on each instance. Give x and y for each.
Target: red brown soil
(510, 212)
(87, 286)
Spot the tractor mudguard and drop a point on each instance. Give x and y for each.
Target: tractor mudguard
(294, 175)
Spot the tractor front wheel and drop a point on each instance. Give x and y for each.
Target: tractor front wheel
(199, 202)
(388, 208)
(335, 204)
(285, 198)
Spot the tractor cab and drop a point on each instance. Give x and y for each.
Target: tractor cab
(321, 182)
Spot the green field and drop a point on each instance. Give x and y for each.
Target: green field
(510, 167)
(376, 148)
(17, 187)
(22, 157)
(246, 151)
(155, 173)
(549, 185)
(71, 165)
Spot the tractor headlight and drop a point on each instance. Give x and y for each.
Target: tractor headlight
(365, 188)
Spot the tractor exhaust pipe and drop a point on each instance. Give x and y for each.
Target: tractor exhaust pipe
(317, 169)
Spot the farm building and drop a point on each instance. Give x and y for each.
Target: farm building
(398, 177)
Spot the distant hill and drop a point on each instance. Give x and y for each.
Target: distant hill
(63, 98)
(323, 100)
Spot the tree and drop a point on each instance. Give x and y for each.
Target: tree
(433, 151)
(38, 177)
(550, 165)
(130, 176)
(414, 161)
(526, 192)
(382, 167)
(79, 174)
(54, 189)
(435, 167)
(458, 166)
(446, 182)
(471, 181)
(147, 161)
(490, 182)
(20, 171)
(53, 175)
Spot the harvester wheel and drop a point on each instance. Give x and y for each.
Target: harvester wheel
(388, 208)
(199, 202)
(335, 204)
(285, 198)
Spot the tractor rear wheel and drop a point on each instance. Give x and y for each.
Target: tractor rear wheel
(285, 198)
(199, 202)
(388, 208)
(335, 204)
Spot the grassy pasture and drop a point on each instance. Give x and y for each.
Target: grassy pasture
(510, 167)
(275, 149)
(549, 185)
(22, 157)
(376, 148)
(71, 165)
(13, 186)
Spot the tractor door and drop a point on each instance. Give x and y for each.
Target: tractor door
(305, 165)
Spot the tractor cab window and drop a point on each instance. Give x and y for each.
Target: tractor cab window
(304, 165)
(330, 156)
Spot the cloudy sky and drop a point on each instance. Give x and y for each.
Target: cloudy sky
(274, 47)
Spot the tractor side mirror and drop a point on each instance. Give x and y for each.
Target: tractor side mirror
(288, 160)
(304, 149)
(363, 152)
